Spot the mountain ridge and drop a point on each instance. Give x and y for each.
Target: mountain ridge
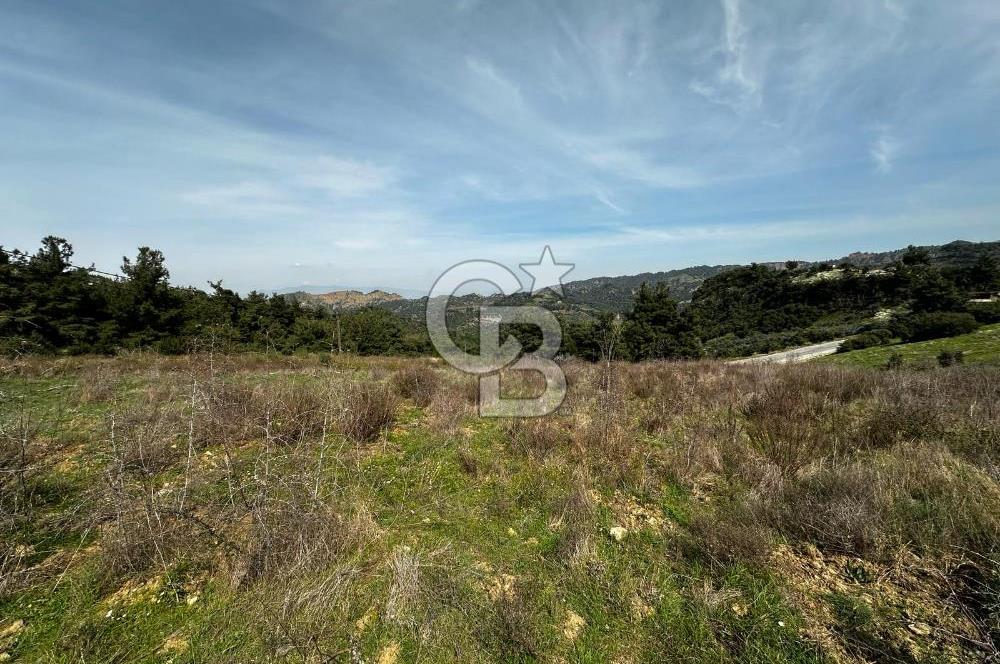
(614, 293)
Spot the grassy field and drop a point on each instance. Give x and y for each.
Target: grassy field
(317, 509)
(980, 347)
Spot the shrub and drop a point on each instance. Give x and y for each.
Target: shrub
(865, 340)
(285, 413)
(894, 361)
(537, 437)
(416, 382)
(366, 411)
(948, 358)
(935, 325)
(729, 534)
(911, 495)
(985, 312)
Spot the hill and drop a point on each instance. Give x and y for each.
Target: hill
(957, 254)
(344, 299)
(979, 347)
(584, 298)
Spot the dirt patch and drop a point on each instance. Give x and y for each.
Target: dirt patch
(905, 601)
(573, 625)
(389, 654)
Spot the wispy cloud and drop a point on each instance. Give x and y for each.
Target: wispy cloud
(734, 84)
(883, 152)
(335, 133)
(347, 177)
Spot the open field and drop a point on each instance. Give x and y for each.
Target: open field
(980, 347)
(313, 509)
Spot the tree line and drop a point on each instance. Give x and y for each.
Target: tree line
(49, 305)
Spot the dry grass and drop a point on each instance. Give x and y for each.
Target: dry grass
(458, 538)
(366, 410)
(418, 383)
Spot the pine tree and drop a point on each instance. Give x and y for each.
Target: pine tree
(656, 329)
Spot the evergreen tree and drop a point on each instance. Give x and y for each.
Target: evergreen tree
(984, 275)
(656, 329)
(147, 310)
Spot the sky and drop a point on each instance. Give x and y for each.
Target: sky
(276, 144)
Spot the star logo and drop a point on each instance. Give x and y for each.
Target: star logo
(547, 273)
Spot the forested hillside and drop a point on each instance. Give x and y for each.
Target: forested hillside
(47, 304)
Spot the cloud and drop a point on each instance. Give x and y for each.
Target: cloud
(603, 198)
(347, 177)
(734, 84)
(883, 152)
(243, 199)
(633, 165)
(461, 127)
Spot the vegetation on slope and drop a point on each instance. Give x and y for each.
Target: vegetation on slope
(979, 347)
(48, 305)
(302, 509)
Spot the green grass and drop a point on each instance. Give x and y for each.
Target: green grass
(979, 347)
(471, 510)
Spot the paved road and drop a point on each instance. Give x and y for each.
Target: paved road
(800, 354)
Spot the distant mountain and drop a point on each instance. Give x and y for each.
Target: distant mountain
(344, 299)
(959, 253)
(320, 289)
(587, 297)
(615, 293)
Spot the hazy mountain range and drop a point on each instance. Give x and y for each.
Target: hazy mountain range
(615, 293)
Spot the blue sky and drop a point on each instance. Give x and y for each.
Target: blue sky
(374, 143)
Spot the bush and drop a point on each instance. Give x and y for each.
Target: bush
(895, 361)
(418, 383)
(985, 312)
(367, 410)
(935, 325)
(948, 358)
(877, 337)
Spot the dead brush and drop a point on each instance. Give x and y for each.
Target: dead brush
(98, 382)
(284, 413)
(12, 568)
(512, 625)
(890, 421)
(468, 461)
(608, 441)
(403, 602)
(671, 399)
(643, 380)
(580, 387)
(365, 410)
(292, 531)
(135, 510)
(20, 459)
(921, 497)
(577, 520)
(416, 382)
(839, 508)
(534, 437)
(787, 425)
(729, 533)
(146, 437)
(448, 410)
(697, 451)
(306, 618)
(299, 411)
